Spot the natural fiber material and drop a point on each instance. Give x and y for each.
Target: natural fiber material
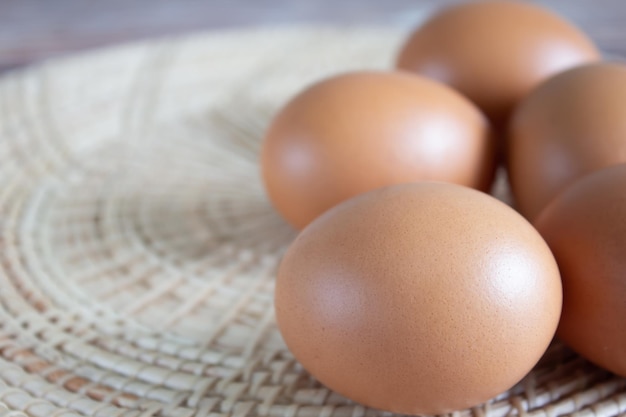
(138, 250)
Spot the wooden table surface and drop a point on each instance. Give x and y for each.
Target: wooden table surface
(32, 30)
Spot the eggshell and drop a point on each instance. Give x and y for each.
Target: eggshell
(570, 126)
(495, 52)
(419, 298)
(359, 131)
(586, 228)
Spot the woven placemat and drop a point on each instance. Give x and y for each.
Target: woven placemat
(138, 249)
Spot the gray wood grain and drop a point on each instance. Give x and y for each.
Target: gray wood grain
(32, 30)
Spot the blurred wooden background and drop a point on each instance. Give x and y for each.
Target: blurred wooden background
(31, 30)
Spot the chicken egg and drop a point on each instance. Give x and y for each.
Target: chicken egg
(571, 125)
(495, 52)
(419, 298)
(585, 226)
(359, 131)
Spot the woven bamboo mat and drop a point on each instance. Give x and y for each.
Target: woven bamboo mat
(138, 250)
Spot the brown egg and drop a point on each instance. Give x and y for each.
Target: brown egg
(360, 131)
(419, 298)
(570, 126)
(586, 228)
(495, 52)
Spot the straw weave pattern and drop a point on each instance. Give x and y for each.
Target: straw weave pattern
(138, 250)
